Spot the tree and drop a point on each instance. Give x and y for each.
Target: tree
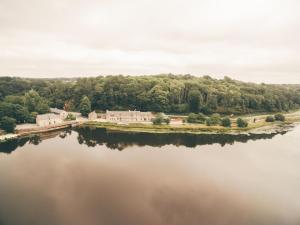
(32, 117)
(241, 123)
(270, 119)
(35, 103)
(226, 122)
(194, 101)
(279, 117)
(21, 114)
(8, 124)
(85, 106)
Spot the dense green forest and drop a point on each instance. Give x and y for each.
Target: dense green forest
(161, 93)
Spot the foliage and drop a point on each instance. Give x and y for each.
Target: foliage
(162, 93)
(8, 124)
(71, 116)
(35, 103)
(20, 113)
(167, 120)
(85, 106)
(270, 119)
(241, 123)
(194, 101)
(279, 117)
(160, 119)
(196, 118)
(226, 122)
(214, 119)
(32, 117)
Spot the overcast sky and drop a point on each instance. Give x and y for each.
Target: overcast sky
(254, 40)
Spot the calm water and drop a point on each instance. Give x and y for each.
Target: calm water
(91, 177)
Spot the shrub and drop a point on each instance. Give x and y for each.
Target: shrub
(8, 124)
(167, 120)
(71, 116)
(208, 122)
(280, 117)
(226, 122)
(158, 120)
(270, 119)
(215, 119)
(241, 123)
(196, 118)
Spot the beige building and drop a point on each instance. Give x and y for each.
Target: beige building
(128, 116)
(62, 113)
(48, 119)
(93, 115)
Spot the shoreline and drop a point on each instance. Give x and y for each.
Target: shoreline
(262, 127)
(275, 127)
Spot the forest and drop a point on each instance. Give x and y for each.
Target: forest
(23, 98)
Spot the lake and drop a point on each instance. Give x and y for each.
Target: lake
(94, 177)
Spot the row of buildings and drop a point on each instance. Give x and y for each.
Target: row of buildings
(57, 116)
(122, 116)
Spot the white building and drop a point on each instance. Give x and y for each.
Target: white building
(93, 115)
(48, 119)
(128, 116)
(62, 113)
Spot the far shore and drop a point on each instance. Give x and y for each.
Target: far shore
(258, 127)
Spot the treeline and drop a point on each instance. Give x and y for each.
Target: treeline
(161, 93)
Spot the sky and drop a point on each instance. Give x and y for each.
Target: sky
(254, 40)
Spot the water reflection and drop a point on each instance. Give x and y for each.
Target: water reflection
(122, 140)
(54, 180)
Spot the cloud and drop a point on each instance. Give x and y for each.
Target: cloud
(248, 40)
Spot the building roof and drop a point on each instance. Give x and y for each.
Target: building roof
(47, 116)
(56, 110)
(126, 112)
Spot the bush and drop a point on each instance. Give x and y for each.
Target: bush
(241, 123)
(71, 116)
(196, 118)
(270, 119)
(158, 120)
(8, 124)
(226, 122)
(279, 117)
(208, 122)
(167, 120)
(215, 119)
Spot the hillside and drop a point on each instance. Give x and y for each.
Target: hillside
(167, 93)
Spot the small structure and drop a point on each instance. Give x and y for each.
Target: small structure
(128, 116)
(93, 115)
(62, 113)
(48, 119)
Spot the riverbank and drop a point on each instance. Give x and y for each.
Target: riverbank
(190, 128)
(37, 130)
(257, 125)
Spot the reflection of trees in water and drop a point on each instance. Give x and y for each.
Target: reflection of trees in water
(121, 140)
(11, 145)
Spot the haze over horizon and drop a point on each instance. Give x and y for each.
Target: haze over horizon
(253, 41)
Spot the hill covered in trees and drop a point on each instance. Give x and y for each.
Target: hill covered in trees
(160, 93)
